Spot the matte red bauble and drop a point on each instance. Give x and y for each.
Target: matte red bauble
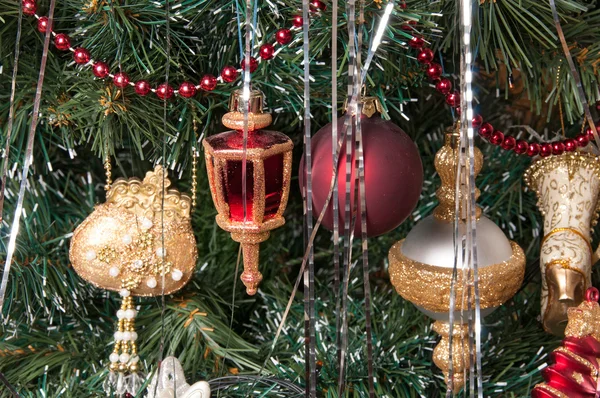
(393, 172)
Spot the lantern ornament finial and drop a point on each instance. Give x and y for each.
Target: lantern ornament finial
(268, 174)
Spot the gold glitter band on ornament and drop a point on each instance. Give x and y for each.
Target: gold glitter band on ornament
(568, 229)
(428, 286)
(552, 390)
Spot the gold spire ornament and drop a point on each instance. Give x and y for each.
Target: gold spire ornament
(268, 173)
(421, 266)
(140, 243)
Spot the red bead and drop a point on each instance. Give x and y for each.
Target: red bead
(453, 99)
(409, 26)
(318, 5)
(570, 144)
(121, 80)
(283, 36)
(29, 7)
(434, 71)
(187, 90)
(486, 130)
(403, 5)
(81, 56)
(253, 64)
(497, 137)
(558, 148)
(533, 149)
(477, 121)
(582, 140)
(589, 133)
(458, 110)
(545, 150)
(443, 86)
(416, 42)
(592, 294)
(100, 69)
(42, 24)
(521, 147)
(62, 41)
(425, 56)
(229, 74)
(164, 91)
(208, 82)
(267, 51)
(297, 21)
(508, 143)
(142, 87)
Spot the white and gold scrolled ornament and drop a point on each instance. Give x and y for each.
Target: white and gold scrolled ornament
(140, 243)
(567, 187)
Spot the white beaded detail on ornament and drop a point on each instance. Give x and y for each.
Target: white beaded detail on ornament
(121, 314)
(124, 293)
(118, 336)
(130, 314)
(135, 359)
(161, 252)
(90, 255)
(137, 264)
(146, 223)
(114, 357)
(126, 336)
(124, 358)
(134, 337)
(176, 275)
(113, 271)
(127, 239)
(151, 283)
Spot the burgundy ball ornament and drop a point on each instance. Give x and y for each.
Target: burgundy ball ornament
(208, 83)
(558, 148)
(425, 56)
(477, 121)
(521, 147)
(253, 64)
(533, 149)
(29, 7)
(81, 56)
(100, 69)
(453, 99)
(283, 36)
(267, 51)
(443, 86)
(142, 87)
(570, 145)
(42, 24)
(187, 90)
(229, 74)
(164, 91)
(582, 140)
(508, 143)
(545, 150)
(434, 71)
(393, 172)
(486, 130)
(497, 137)
(62, 41)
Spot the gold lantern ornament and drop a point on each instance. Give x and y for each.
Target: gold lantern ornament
(138, 243)
(421, 266)
(268, 171)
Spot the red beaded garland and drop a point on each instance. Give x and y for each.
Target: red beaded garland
(521, 147)
(425, 56)
(81, 56)
(545, 150)
(486, 130)
(318, 5)
(297, 21)
(164, 91)
(283, 36)
(497, 137)
(508, 143)
(434, 71)
(29, 7)
(453, 99)
(443, 86)
(121, 80)
(42, 24)
(208, 82)
(229, 74)
(62, 41)
(416, 42)
(570, 145)
(477, 121)
(582, 140)
(100, 69)
(533, 149)
(558, 148)
(142, 87)
(187, 90)
(253, 64)
(267, 51)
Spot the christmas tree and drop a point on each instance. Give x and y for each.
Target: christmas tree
(57, 328)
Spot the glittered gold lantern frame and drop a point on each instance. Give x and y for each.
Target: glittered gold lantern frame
(223, 159)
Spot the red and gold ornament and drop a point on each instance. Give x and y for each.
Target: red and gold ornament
(393, 172)
(268, 173)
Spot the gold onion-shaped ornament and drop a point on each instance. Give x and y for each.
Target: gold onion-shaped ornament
(268, 174)
(139, 237)
(421, 265)
(567, 187)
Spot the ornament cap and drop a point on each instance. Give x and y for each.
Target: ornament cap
(257, 119)
(369, 106)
